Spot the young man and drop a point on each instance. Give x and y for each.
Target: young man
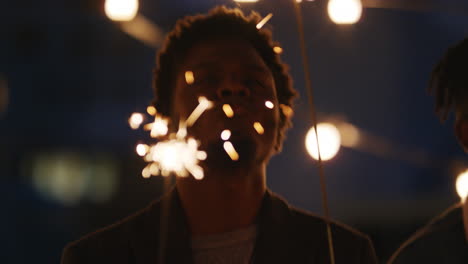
(444, 239)
(230, 216)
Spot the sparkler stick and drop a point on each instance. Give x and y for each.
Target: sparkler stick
(314, 123)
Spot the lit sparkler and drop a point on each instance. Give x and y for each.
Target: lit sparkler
(230, 150)
(159, 127)
(227, 109)
(264, 21)
(259, 128)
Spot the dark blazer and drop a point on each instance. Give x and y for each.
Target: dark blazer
(160, 234)
(442, 240)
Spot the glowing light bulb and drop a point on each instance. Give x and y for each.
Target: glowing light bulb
(259, 128)
(269, 104)
(135, 120)
(462, 185)
(121, 10)
(329, 141)
(226, 134)
(345, 11)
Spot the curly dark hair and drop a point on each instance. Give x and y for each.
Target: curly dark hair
(220, 22)
(449, 79)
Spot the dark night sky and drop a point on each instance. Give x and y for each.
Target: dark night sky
(74, 78)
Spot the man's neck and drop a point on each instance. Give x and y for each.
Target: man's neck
(222, 202)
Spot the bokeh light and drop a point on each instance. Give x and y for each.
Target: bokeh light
(462, 185)
(226, 134)
(121, 10)
(269, 104)
(345, 11)
(329, 141)
(135, 120)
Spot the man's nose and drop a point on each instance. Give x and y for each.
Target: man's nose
(231, 89)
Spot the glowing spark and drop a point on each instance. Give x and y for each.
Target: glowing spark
(349, 134)
(278, 50)
(226, 134)
(146, 172)
(203, 104)
(345, 11)
(151, 110)
(269, 104)
(462, 185)
(287, 111)
(142, 149)
(159, 127)
(230, 150)
(182, 132)
(179, 156)
(121, 10)
(264, 21)
(228, 110)
(329, 141)
(135, 120)
(189, 78)
(259, 128)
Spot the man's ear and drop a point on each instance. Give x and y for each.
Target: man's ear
(461, 131)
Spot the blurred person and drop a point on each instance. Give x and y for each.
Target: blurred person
(230, 216)
(444, 239)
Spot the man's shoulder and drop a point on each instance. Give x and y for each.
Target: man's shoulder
(114, 239)
(441, 240)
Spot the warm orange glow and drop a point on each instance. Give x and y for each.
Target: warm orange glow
(264, 21)
(349, 134)
(287, 110)
(278, 50)
(151, 110)
(230, 150)
(226, 134)
(259, 128)
(189, 78)
(146, 173)
(269, 104)
(121, 10)
(329, 141)
(135, 120)
(228, 110)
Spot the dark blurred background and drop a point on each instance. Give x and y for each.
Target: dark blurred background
(70, 78)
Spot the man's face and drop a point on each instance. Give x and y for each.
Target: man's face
(228, 71)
